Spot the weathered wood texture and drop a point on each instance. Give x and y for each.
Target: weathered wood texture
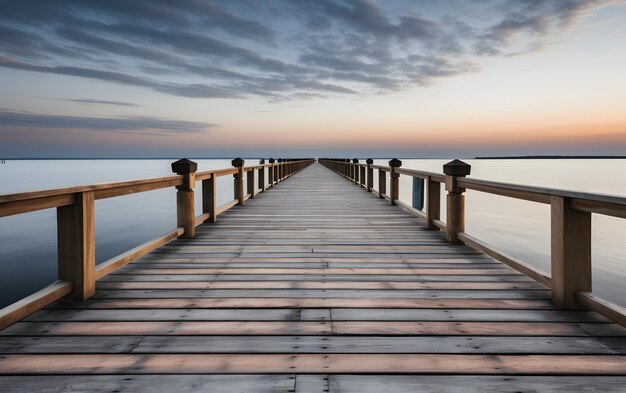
(313, 280)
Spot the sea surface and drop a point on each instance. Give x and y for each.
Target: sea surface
(28, 259)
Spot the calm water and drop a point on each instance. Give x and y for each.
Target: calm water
(28, 241)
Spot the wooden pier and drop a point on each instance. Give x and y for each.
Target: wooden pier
(313, 285)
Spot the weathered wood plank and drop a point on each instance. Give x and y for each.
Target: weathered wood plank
(149, 383)
(313, 363)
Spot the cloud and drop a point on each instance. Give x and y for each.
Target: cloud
(149, 125)
(275, 49)
(91, 101)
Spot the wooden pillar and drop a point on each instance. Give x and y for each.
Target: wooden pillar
(262, 176)
(355, 170)
(394, 180)
(455, 200)
(250, 186)
(433, 203)
(362, 176)
(271, 173)
(382, 183)
(239, 193)
(76, 245)
(279, 171)
(209, 198)
(571, 252)
(185, 213)
(370, 175)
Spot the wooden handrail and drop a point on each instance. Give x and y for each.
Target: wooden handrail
(75, 222)
(570, 277)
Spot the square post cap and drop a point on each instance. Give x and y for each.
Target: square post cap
(237, 162)
(271, 161)
(395, 163)
(457, 168)
(356, 160)
(369, 161)
(262, 161)
(184, 166)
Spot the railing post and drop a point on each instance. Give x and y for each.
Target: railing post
(76, 245)
(279, 170)
(209, 198)
(262, 175)
(239, 193)
(394, 183)
(382, 183)
(433, 203)
(271, 173)
(355, 170)
(370, 174)
(455, 210)
(571, 252)
(250, 186)
(362, 176)
(185, 214)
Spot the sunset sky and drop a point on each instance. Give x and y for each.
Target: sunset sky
(405, 78)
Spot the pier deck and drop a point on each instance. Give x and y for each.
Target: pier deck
(307, 288)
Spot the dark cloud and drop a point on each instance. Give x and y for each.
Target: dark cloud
(91, 101)
(150, 125)
(276, 49)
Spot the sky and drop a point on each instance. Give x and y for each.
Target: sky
(323, 78)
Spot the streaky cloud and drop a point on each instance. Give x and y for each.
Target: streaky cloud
(151, 125)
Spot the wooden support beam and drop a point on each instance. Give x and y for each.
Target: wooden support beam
(185, 208)
(455, 211)
(262, 176)
(76, 245)
(571, 252)
(238, 190)
(433, 203)
(250, 186)
(370, 175)
(209, 198)
(394, 184)
(382, 184)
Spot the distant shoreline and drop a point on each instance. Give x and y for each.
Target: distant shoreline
(550, 158)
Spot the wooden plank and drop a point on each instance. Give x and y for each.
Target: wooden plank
(478, 328)
(319, 293)
(335, 271)
(313, 363)
(174, 315)
(389, 285)
(388, 303)
(162, 328)
(372, 344)
(347, 314)
(315, 277)
(472, 384)
(339, 314)
(149, 383)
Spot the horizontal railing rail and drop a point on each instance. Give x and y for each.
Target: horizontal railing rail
(569, 278)
(77, 269)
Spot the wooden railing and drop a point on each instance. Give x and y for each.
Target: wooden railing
(570, 277)
(77, 269)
